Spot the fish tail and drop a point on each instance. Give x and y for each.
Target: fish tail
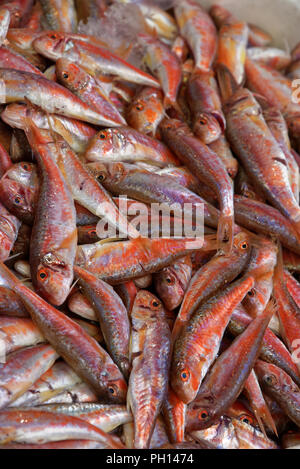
(225, 233)
(227, 83)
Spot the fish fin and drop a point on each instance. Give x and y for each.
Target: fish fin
(225, 233)
(227, 83)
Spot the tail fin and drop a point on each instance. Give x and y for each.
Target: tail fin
(227, 83)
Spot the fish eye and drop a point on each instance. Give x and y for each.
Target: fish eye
(101, 177)
(169, 280)
(54, 36)
(155, 303)
(112, 390)
(251, 293)
(18, 200)
(43, 275)
(244, 245)
(103, 135)
(25, 167)
(246, 419)
(184, 375)
(203, 121)
(65, 75)
(203, 415)
(139, 107)
(91, 232)
(271, 379)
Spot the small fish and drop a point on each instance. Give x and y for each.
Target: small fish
(71, 341)
(48, 95)
(42, 426)
(164, 64)
(19, 332)
(211, 277)
(19, 189)
(111, 314)
(143, 256)
(275, 58)
(88, 90)
(208, 167)
(198, 343)
(228, 374)
(233, 39)
(278, 385)
(148, 380)
(54, 235)
(203, 98)
(198, 29)
(128, 145)
(21, 369)
(93, 58)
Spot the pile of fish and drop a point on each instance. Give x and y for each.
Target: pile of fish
(138, 340)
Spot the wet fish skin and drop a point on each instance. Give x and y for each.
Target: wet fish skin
(198, 343)
(143, 256)
(233, 39)
(228, 374)
(127, 145)
(203, 98)
(107, 417)
(71, 341)
(146, 111)
(9, 227)
(278, 385)
(262, 218)
(54, 235)
(208, 167)
(148, 380)
(222, 269)
(112, 315)
(171, 283)
(164, 64)
(260, 154)
(21, 369)
(88, 90)
(93, 58)
(197, 27)
(60, 15)
(48, 95)
(18, 333)
(19, 191)
(76, 133)
(45, 427)
(272, 351)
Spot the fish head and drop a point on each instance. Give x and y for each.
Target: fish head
(70, 75)
(19, 199)
(146, 111)
(269, 375)
(169, 288)
(146, 307)
(207, 127)
(242, 244)
(24, 173)
(116, 386)
(52, 44)
(201, 414)
(53, 279)
(170, 126)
